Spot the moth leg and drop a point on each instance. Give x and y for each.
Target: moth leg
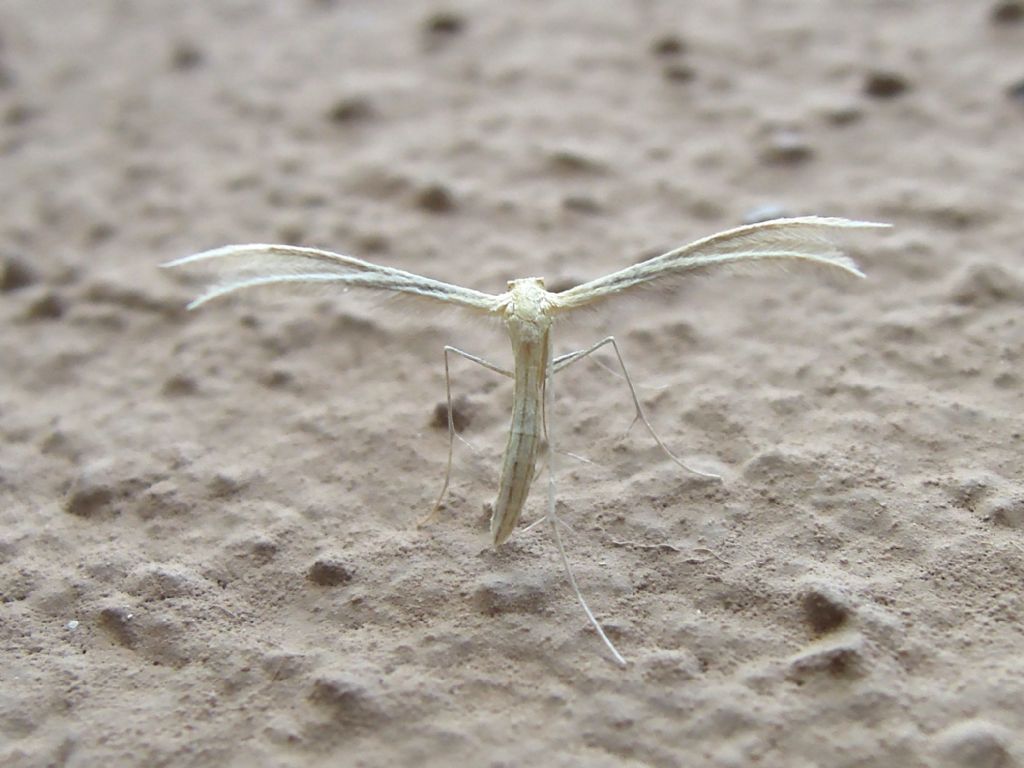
(564, 361)
(555, 521)
(432, 515)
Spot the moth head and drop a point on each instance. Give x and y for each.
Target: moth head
(527, 307)
(526, 284)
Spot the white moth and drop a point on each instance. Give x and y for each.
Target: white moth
(529, 313)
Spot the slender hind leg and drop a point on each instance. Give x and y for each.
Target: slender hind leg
(552, 517)
(432, 514)
(564, 361)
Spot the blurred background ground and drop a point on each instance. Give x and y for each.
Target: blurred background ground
(207, 549)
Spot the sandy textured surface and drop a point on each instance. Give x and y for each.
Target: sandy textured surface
(207, 544)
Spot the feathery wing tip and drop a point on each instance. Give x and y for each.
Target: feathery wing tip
(223, 250)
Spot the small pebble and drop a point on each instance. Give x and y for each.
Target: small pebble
(72, 625)
(100, 487)
(842, 657)
(672, 665)
(967, 490)
(435, 198)
(349, 109)
(163, 581)
(100, 232)
(277, 379)
(787, 147)
(581, 204)
(1016, 91)
(291, 233)
(669, 45)
(162, 499)
(19, 114)
(354, 696)
(259, 547)
(179, 385)
(986, 284)
(116, 621)
(444, 23)
(498, 594)
(575, 161)
(824, 609)
(88, 499)
(975, 744)
(228, 481)
(329, 572)
(50, 306)
(185, 56)
(128, 296)
(14, 274)
(883, 84)
(373, 242)
(679, 73)
(1005, 510)
(842, 114)
(462, 414)
(1008, 12)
